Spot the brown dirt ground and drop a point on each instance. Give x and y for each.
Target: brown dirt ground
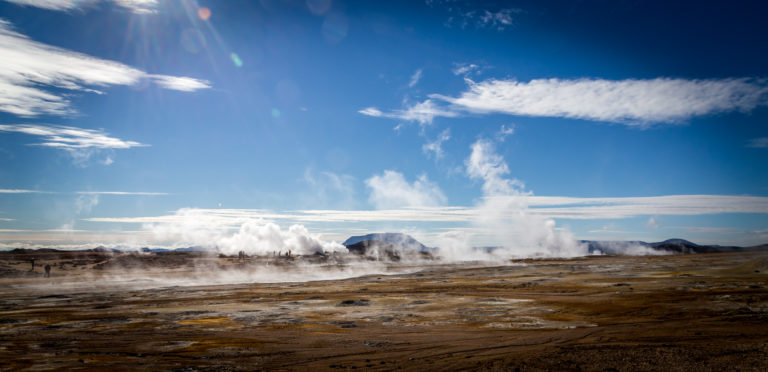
(670, 313)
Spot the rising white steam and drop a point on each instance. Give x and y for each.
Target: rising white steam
(261, 239)
(503, 211)
(254, 237)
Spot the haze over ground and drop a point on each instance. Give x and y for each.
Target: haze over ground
(299, 123)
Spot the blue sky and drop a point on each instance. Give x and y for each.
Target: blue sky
(131, 122)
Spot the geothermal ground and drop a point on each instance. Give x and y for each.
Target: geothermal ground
(155, 312)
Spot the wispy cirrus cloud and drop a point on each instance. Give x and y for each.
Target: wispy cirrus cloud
(180, 83)
(504, 132)
(464, 68)
(758, 143)
(139, 6)
(78, 143)
(126, 193)
(28, 67)
(63, 137)
(436, 147)
(50, 4)
(415, 78)
(423, 112)
(465, 14)
(136, 6)
(20, 191)
(632, 102)
(499, 20)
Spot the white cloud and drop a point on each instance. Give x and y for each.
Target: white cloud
(70, 137)
(463, 68)
(140, 193)
(504, 132)
(184, 84)
(62, 230)
(19, 191)
(371, 111)
(464, 15)
(632, 101)
(758, 143)
(51, 4)
(391, 190)
(137, 193)
(653, 223)
(415, 79)
(436, 147)
(137, 6)
(79, 143)
(423, 112)
(27, 67)
(487, 19)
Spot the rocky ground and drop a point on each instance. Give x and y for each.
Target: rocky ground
(161, 312)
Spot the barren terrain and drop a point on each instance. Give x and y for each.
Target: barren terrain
(180, 311)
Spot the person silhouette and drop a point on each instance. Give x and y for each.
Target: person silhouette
(47, 270)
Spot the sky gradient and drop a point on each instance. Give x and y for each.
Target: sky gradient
(132, 123)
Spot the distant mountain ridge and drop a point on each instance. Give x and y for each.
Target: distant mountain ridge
(675, 245)
(404, 243)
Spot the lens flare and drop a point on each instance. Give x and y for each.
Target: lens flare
(319, 7)
(204, 13)
(236, 59)
(275, 113)
(335, 27)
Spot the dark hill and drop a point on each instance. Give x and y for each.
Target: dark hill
(375, 248)
(403, 241)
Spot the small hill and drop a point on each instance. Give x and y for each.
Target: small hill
(403, 241)
(375, 248)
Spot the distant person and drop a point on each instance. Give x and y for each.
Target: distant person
(47, 270)
(33, 265)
